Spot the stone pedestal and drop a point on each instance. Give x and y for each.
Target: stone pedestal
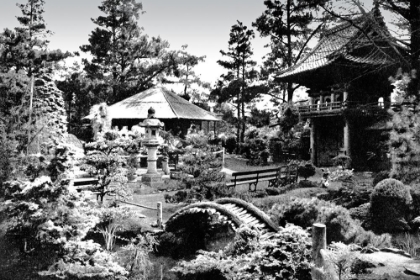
(152, 177)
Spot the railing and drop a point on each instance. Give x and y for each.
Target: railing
(339, 107)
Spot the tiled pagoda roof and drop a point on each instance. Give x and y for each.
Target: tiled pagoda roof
(364, 41)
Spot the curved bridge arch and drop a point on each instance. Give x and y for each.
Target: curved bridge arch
(230, 211)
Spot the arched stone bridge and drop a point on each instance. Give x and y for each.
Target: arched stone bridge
(229, 211)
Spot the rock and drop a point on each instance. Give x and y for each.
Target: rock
(396, 251)
(361, 266)
(411, 271)
(369, 250)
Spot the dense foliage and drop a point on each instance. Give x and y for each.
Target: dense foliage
(340, 226)
(285, 256)
(306, 170)
(46, 217)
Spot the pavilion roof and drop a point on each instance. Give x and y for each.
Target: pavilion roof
(167, 105)
(363, 42)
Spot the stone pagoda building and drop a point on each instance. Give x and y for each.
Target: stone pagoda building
(347, 76)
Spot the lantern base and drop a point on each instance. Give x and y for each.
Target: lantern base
(151, 180)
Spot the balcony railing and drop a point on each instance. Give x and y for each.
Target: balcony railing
(337, 108)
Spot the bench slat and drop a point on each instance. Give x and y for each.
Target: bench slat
(250, 181)
(254, 172)
(253, 178)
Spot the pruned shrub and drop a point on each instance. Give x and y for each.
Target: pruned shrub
(307, 184)
(382, 175)
(362, 212)
(341, 227)
(306, 170)
(342, 160)
(415, 205)
(230, 144)
(390, 202)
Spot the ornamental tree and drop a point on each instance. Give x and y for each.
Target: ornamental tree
(104, 160)
(49, 220)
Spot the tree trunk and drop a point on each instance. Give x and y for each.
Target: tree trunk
(414, 86)
(238, 136)
(289, 51)
(290, 91)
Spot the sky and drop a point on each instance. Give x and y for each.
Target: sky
(203, 25)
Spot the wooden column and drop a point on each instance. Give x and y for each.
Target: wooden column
(313, 142)
(347, 138)
(319, 242)
(345, 96)
(332, 97)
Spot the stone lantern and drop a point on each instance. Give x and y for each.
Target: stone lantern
(152, 127)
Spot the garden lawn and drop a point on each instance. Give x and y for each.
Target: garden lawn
(149, 197)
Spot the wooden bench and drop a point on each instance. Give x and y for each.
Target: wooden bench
(84, 183)
(278, 176)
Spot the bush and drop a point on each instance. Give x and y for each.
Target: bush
(349, 197)
(230, 144)
(415, 195)
(284, 256)
(390, 202)
(341, 227)
(342, 160)
(382, 175)
(307, 184)
(306, 170)
(362, 212)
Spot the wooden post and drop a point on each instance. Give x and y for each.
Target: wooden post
(347, 139)
(223, 157)
(313, 142)
(319, 242)
(159, 214)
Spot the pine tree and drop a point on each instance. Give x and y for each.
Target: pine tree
(26, 62)
(124, 59)
(187, 76)
(239, 54)
(287, 24)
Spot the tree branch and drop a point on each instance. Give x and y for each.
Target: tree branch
(307, 41)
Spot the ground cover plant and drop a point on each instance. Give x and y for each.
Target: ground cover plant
(285, 256)
(340, 226)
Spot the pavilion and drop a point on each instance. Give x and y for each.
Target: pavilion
(347, 76)
(174, 111)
